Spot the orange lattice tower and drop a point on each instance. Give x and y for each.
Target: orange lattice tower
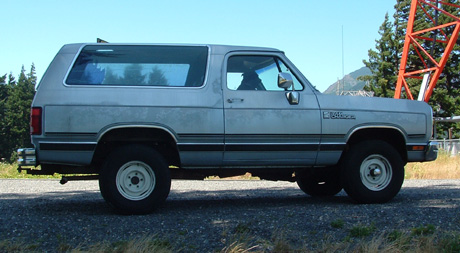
(437, 36)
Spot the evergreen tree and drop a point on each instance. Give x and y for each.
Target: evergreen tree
(110, 77)
(11, 81)
(133, 75)
(446, 95)
(17, 114)
(383, 63)
(32, 77)
(3, 91)
(3, 96)
(385, 59)
(2, 88)
(157, 78)
(5, 139)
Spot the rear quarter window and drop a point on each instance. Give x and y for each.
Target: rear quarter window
(141, 65)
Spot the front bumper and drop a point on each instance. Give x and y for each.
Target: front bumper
(431, 151)
(425, 152)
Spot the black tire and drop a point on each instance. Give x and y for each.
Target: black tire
(135, 179)
(372, 172)
(319, 182)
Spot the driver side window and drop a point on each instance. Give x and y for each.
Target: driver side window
(256, 73)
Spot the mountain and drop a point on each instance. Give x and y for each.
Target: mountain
(349, 82)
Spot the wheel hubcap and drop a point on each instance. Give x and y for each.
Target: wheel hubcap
(135, 180)
(376, 172)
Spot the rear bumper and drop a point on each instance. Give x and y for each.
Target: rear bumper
(26, 157)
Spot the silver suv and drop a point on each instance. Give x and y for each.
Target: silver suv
(134, 116)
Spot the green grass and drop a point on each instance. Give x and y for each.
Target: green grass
(11, 171)
(424, 230)
(339, 223)
(361, 230)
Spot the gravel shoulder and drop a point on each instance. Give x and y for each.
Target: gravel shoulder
(203, 215)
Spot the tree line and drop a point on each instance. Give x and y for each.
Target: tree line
(15, 100)
(384, 63)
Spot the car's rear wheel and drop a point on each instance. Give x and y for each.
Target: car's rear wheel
(135, 179)
(319, 182)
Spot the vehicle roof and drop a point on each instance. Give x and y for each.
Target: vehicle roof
(215, 49)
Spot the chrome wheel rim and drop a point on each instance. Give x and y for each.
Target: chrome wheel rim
(376, 172)
(135, 180)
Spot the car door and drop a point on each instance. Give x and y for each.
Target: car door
(262, 127)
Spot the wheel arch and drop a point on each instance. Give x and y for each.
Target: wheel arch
(157, 137)
(392, 135)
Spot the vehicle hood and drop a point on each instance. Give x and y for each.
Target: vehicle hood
(346, 113)
(331, 102)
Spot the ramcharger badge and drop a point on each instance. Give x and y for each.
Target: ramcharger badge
(338, 115)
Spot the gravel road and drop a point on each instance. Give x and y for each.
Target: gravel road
(204, 215)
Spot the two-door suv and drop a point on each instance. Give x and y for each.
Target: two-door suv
(134, 116)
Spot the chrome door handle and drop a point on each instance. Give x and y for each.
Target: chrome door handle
(235, 100)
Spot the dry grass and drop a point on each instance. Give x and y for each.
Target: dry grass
(396, 241)
(10, 171)
(247, 176)
(445, 167)
(140, 245)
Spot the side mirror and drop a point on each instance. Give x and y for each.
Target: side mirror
(284, 80)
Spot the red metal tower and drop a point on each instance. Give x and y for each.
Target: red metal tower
(417, 41)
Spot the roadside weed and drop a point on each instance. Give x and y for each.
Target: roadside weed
(362, 230)
(338, 223)
(424, 230)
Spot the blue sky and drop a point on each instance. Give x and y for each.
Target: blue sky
(309, 32)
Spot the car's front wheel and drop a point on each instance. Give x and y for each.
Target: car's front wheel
(372, 172)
